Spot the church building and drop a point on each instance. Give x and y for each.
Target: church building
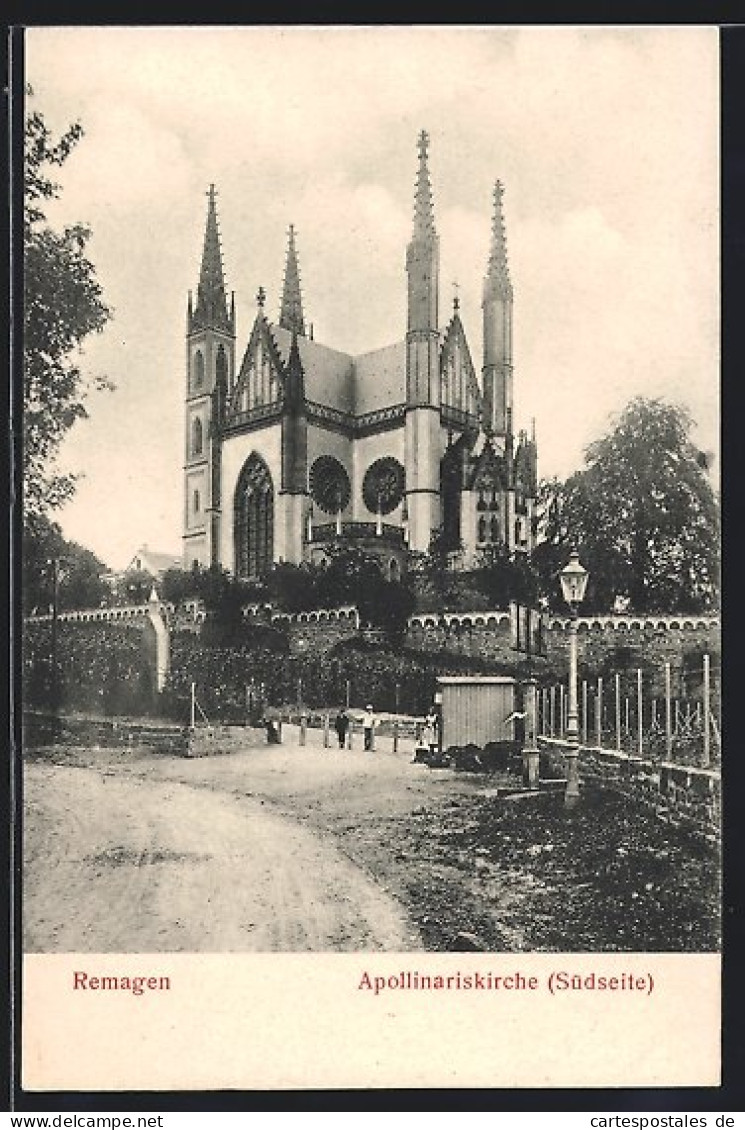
(300, 447)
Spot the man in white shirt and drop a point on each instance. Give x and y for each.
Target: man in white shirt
(368, 726)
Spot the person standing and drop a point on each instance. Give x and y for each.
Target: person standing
(341, 725)
(368, 727)
(429, 736)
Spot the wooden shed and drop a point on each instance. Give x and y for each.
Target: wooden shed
(475, 708)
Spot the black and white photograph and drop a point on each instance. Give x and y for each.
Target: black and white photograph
(371, 538)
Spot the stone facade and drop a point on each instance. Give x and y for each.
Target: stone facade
(299, 447)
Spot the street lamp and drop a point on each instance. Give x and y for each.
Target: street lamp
(573, 578)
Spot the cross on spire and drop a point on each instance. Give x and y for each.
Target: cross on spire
(212, 306)
(291, 310)
(424, 216)
(497, 282)
(260, 297)
(456, 298)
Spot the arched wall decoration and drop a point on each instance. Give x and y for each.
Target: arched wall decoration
(199, 368)
(383, 485)
(329, 484)
(221, 364)
(197, 437)
(253, 518)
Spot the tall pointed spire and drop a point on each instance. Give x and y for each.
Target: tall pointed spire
(291, 311)
(211, 310)
(424, 215)
(497, 283)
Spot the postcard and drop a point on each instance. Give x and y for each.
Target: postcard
(370, 579)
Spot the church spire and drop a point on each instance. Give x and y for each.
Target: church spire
(211, 310)
(497, 283)
(424, 216)
(291, 312)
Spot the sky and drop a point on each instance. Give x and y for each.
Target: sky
(606, 140)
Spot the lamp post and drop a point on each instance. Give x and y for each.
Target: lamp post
(573, 585)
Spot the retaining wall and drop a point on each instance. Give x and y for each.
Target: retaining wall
(681, 795)
(41, 729)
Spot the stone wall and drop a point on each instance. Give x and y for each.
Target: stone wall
(679, 794)
(206, 741)
(42, 729)
(478, 635)
(319, 631)
(615, 643)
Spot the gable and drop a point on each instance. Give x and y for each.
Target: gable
(459, 388)
(260, 380)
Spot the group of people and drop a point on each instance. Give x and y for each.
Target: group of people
(427, 731)
(342, 722)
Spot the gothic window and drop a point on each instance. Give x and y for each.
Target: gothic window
(196, 502)
(383, 485)
(254, 519)
(329, 484)
(197, 437)
(482, 529)
(198, 369)
(494, 528)
(221, 367)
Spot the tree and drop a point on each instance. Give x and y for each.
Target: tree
(80, 573)
(503, 577)
(642, 514)
(63, 306)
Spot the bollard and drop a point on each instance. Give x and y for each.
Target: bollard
(395, 736)
(639, 714)
(350, 732)
(303, 728)
(326, 731)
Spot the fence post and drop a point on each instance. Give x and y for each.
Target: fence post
(562, 726)
(303, 727)
(707, 702)
(584, 712)
(639, 714)
(326, 730)
(395, 736)
(618, 711)
(668, 713)
(348, 696)
(193, 705)
(599, 712)
(553, 711)
(350, 732)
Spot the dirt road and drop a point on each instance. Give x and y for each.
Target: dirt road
(289, 848)
(119, 860)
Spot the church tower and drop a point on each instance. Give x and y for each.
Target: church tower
(294, 442)
(497, 309)
(422, 428)
(210, 365)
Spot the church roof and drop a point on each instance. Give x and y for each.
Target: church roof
(380, 378)
(328, 372)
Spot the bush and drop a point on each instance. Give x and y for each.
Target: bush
(102, 668)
